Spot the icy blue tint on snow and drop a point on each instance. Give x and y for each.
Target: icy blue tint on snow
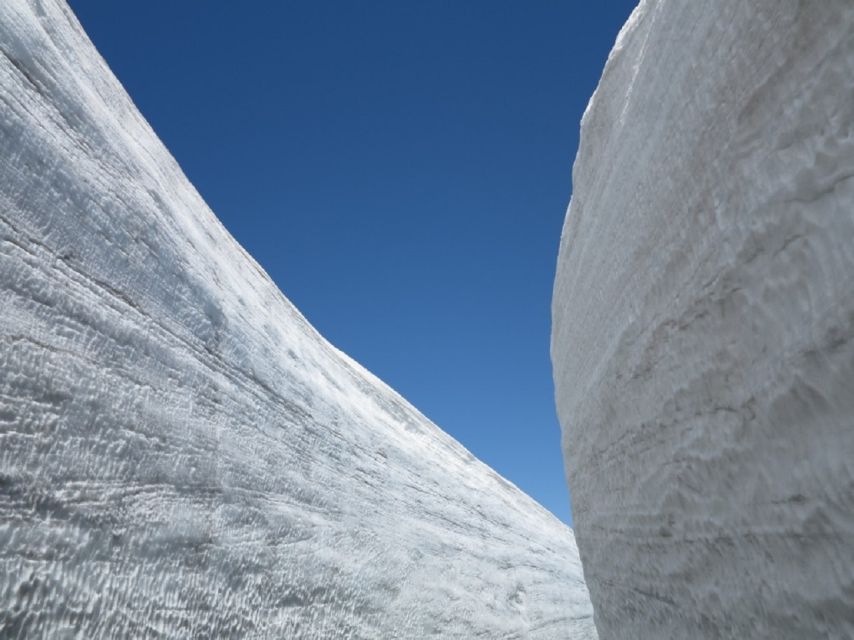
(401, 169)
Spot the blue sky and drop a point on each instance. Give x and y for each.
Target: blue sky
(401, 169)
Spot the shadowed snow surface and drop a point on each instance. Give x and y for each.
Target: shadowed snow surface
(703, 322)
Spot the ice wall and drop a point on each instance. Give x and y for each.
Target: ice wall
(181, 454)
(703, 321)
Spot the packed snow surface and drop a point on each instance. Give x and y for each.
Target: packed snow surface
(703, 323)
(181, 454)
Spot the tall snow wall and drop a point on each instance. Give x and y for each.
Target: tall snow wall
(703, 320)
(181, 454)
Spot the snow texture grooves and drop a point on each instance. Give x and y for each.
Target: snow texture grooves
(181, 454)
(703, 321)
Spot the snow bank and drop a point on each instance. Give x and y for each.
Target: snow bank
(703, 321)
(181, 454)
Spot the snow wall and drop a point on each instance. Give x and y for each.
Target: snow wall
(181, 454)
(703, 321)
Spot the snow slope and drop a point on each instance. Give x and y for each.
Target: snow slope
(703, 321)
(181, 454)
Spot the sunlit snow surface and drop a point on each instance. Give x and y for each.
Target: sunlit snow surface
(703, 324)
(181, 454)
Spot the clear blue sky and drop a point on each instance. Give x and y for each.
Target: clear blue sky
(401, 169)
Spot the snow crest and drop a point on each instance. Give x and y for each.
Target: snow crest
(181, 454)
(703, 318)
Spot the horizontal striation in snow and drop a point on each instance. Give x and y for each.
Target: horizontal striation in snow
(703, 323)
(181, 454)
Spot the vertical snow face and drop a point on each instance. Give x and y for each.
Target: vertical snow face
(703, 322)
(181, 454)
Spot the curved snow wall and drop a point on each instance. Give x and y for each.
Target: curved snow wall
(181, 454)
(703, 322)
